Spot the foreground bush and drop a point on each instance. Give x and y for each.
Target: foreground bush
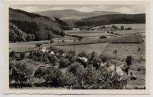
(38, 44)
(64, 63)
(101, 37)
(12, 54)
(53, 60)
(78, 77)
(74, 75)
(104, 58)
(51, 76)
(82, 54)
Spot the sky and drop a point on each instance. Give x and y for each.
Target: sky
(128, 9)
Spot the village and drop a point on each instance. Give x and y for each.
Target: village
(62, 56)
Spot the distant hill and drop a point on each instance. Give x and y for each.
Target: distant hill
(73, 14)
(25, 26)
(111, 19)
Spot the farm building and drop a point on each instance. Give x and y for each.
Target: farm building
(109, 29)
(85, 28)
(76, 29)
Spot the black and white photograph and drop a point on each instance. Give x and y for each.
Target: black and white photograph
(77, 47)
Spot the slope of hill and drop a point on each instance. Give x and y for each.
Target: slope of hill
(27, 26)
(73, 14)
(111, 19)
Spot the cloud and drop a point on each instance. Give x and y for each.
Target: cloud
(125, 10)
(34, 8)
(59, 8)
(91, 8)
(30, 8)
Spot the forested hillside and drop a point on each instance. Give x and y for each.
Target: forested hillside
(111, 19)
(25, 26)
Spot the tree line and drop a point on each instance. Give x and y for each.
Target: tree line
(111, 19)
(30, 31)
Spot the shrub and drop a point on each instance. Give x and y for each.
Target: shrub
(101, 37)
(96, 63)
(27, 69)
(64, 63)
(52, 76)
(89, 78)
(70, 81)
(63, 40)
(116, 34)
(76, 68)
(74, 75)
(101, 79)
(82, 54)
(129, 60)
(51, 40)
(60, 51)
(62, 34)
(111, 32)
(122, 28)
(72, 52)
(104, 58)
(70, 55)
(40, 72)
(52, 48)
(22, 55)
(115, 27)
(128, 28)
(12, 54)
(80, 39)
(92, 56)
(45, 59)
(38, 44)
(53, 60)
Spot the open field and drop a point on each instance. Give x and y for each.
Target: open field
(123, 50)
(141, 75)
(96, 34)
(24, 46)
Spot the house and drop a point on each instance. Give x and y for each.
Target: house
(76, 29)
(85, 28)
